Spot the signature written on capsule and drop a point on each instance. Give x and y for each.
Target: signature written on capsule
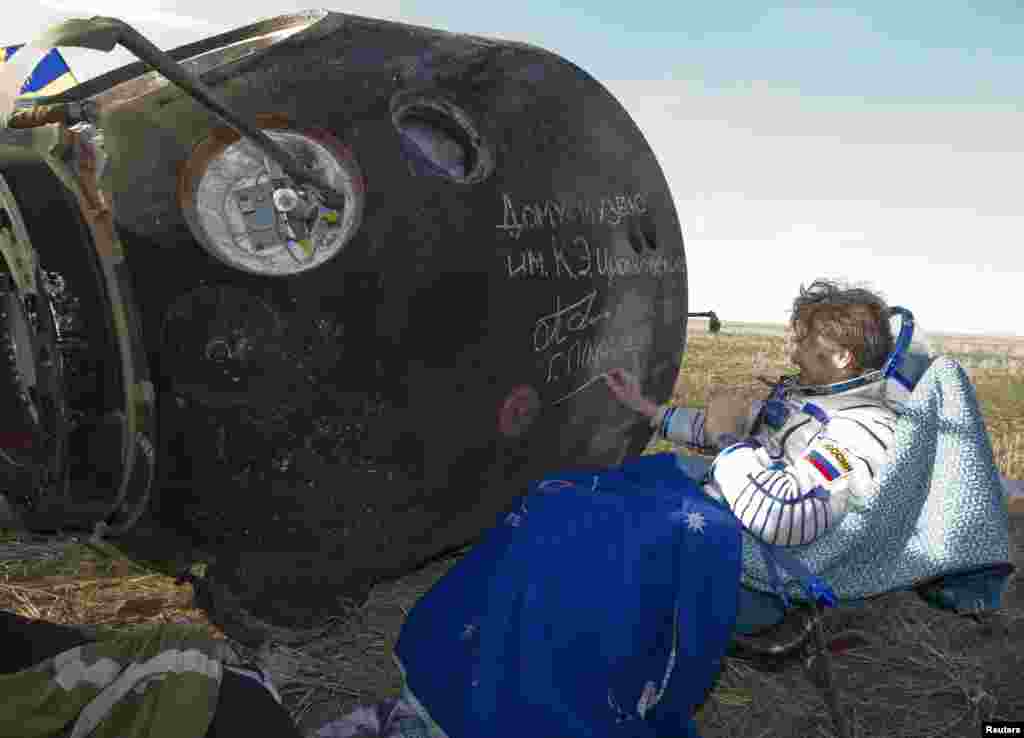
(554, 328)
(586, 353)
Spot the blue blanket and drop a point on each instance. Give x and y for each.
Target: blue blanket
(600, 607)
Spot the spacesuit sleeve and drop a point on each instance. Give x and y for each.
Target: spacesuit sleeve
(793, 504)
(686, 426)
(681, 425)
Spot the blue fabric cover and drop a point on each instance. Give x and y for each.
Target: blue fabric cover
(564, 619)
(757, 611)
(970, 592)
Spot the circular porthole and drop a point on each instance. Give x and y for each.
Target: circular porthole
(440, 139)
(247, 213)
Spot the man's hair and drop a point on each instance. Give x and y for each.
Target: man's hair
(854, 318)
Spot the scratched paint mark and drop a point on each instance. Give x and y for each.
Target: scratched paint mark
(580, 388)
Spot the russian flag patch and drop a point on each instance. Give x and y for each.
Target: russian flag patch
(823, 466)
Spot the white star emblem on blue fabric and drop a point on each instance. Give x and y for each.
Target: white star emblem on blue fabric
(695, 521)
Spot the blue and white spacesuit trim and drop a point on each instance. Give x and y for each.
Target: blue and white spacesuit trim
(799, 473)
(682, 424)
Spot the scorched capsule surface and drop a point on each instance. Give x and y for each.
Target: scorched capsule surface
(346, 394)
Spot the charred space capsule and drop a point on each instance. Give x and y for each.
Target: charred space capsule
(346, 387)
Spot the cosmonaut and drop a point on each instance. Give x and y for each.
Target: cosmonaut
(794, 462)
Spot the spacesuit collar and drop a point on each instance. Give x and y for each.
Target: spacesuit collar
(789, 384)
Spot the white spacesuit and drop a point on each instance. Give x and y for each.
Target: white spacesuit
(810, 453)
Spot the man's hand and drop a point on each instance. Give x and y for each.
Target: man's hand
(626, 389)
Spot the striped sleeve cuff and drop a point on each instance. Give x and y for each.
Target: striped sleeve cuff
(680, 424)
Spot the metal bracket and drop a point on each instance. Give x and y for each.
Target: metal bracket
(103, 34)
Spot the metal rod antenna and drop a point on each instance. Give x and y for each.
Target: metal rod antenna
(104, 33)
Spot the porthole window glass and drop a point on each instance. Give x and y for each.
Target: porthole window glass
(439, 139)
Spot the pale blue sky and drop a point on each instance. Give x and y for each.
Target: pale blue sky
(881, 52)
(881, 142)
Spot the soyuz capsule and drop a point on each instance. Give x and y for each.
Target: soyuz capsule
(328, 365)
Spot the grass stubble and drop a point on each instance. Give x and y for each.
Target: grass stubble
(919, 672)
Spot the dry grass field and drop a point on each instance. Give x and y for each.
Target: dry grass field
(917, 673)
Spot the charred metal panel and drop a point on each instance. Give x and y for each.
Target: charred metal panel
(74, 462)
(518, 238)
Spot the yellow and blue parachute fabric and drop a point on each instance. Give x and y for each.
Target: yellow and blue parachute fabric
(50, 77)
(601, 605)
